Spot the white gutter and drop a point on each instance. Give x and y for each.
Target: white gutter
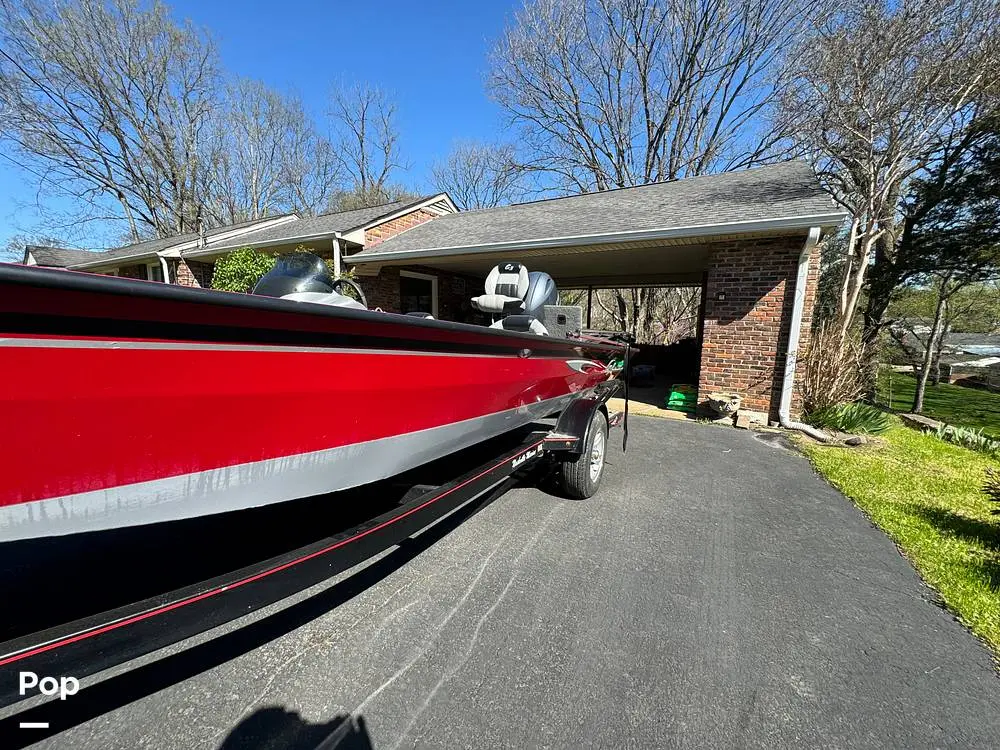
(693, 231)
(165, 268)
(298, 239)
(795, 330)
(337, 270)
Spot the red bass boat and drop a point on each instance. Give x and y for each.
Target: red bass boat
(132, 403)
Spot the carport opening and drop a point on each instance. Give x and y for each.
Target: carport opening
(666, 320)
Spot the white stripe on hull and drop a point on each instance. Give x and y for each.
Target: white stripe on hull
(124, 344)
(259, 483)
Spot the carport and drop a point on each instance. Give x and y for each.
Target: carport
(746, 238)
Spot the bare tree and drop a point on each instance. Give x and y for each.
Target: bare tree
(481, 175)
(614, 93)
(368, 141)
(107, 101)
(312, 173)
(879, 90)
(663, 318)
(266, 157)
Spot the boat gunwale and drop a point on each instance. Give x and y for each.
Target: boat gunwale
(89, 283)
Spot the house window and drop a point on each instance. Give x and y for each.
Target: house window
(418, 292)
(154, 272)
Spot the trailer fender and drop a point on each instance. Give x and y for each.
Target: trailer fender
(572, 431)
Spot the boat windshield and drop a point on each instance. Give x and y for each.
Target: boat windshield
(295, 272)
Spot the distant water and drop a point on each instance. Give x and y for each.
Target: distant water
(985, 350)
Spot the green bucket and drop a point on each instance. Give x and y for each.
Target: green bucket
(683, 397)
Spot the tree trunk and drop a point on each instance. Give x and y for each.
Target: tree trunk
(935, 334)
(936, 371)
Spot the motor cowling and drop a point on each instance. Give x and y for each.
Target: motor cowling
(542, 291)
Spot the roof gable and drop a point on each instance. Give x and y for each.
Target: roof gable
(53, 257)
(336, 223)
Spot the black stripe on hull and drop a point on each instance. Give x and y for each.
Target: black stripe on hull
(63, 326)
(37, 301)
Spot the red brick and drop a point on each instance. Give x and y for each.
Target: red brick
(743, 334)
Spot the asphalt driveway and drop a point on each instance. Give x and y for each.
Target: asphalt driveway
(716, 593)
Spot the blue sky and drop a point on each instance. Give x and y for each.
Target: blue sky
(432, 56)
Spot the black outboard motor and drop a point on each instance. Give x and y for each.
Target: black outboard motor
(541, 292)
(296, 272)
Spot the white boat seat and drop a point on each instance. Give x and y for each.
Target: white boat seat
(506, 286)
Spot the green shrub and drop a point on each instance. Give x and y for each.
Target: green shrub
(855, 418)
(241, 270)
(969, 438)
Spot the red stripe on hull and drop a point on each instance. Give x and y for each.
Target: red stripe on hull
(83, 419)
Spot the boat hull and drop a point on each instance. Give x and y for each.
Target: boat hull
(233, 405)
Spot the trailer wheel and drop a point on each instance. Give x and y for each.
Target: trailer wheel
(581, 474)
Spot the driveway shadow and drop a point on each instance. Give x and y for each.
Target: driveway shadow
(982, 533)
(277, 728)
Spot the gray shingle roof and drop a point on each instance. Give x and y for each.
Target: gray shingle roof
(776, 191)
(149, 248)
(58, 257)
(339, 221)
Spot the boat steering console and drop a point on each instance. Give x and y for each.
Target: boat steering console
(304, 277)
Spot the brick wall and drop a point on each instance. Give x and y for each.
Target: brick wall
(746, 334)
(384, 231)
(133, 272)
(454, 293)
(191, 273)
(382, 291)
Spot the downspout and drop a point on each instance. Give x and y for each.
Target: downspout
(798, 306)
(337, 271)
(165, 268)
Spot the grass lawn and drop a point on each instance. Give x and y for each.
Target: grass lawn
(925, 494)
(954, 404)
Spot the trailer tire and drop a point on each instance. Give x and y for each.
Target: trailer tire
(581, 474)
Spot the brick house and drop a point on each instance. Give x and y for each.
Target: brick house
(746, 238)
(189, 259)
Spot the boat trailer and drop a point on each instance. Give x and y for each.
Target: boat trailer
(87, 646)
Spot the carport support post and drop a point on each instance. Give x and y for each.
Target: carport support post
(590, 299)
